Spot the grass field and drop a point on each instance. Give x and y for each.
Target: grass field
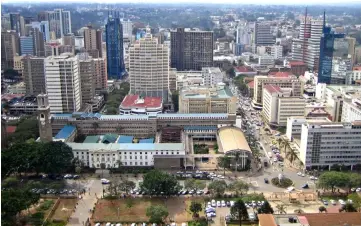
(107, 210)
(64, 210)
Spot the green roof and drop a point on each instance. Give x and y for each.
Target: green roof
(109, 138)
(92, 139)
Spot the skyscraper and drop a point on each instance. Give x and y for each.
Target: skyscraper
(114, 45)
(93, 41)
(63, 83)
(127, 29)
(262, 34)
(149, 67)
(33, 44)
(60, 22)
(191, 50)
(43, 27)
(9, 48)
(34, 75)
(86, 74)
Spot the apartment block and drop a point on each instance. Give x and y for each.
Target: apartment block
(191, 50)
(59, 22)
(283, 81)
(262, 34)
(218, 99)
(212, 76)
(279, 104)
(18, 64)
(265, 61)
(34, 75)
(63, 83)
(86, 74)
(101, 76)
(93, 41)
(149, 67)
(325, 144)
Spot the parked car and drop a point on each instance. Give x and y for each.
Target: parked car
(223, 203)
(266, 181)
(325, 202)
(219, 204)
(333, 202)
(305, 186)
(251, 216)
(105, 181)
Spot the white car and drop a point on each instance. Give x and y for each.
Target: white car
(312, 177)
(232, 203)
(214, 204)
(275, 159)
(105, 181)
(341, 202)
(299, 173)
(219, 204)
(303, 175)
(333, 202)
(223, 203)
(251, 216)
(358, 189)
(349, 201)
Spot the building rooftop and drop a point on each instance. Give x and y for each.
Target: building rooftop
(272, 89)
(357, 68)
(127, 147)
(146, 141)
(250, 84)
(10, 129)
(65, 132)
(280, 74)
(232, 138)
(92, 139)
(296, 63)
(109, 138)
(219, 91)
(339, 219)
(243, 69)
(200, 128)
(135, 101)
(125, 139)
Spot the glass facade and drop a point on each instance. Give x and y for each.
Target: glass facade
(114, 46)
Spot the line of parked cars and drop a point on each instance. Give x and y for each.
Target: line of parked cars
(333, 202)
(198, 175)
(135, 224)
(47, 191)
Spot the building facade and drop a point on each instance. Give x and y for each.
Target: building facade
(63, 83)
(101, 75)
(191, 50)
(86, 74)
(60, 22)
(9, 48)
(93, 41)
(149, 67)
(351, 109)
(262, 34)
(114, 46)
(34, 75)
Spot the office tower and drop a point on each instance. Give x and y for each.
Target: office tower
(262, 34)
(351, 47)
(43, 27)
(127, 29)
(34, 75)
(9, 48)
(63, 83)
(55, 49)
(93, 42)
(60, 22)
(86, 75)
(5, 22)
(191, 50)
(43, 16)
(334, 61)
(114, 45)
(68, 40)
(149, 67)
(15, 22)
(243, 34)
(33, 44)
(101, 76)
(307, 47)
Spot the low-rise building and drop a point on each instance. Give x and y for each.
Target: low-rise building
(266, 60)
(351, 109)
(137, 105)
(325, 144)
(244, 70)
(18, 88)
(297, 67)
(217, 99)
(355, 75)
(279, 104)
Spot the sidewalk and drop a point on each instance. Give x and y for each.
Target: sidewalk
(81, 214)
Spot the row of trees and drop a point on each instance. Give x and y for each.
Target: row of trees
(332, 179)
(37, 157)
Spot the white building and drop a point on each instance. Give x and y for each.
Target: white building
(266, 60)
(127, 29)
(277, 51)
(149, 67)
(278, 105)
(355, 75)
(325, 144)
(189, 78)
(128, 154)
(62, 83)
(212, 76)
(351, 109)
(60, 22)
(294, 125)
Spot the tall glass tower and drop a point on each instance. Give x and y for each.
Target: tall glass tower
(114, 44)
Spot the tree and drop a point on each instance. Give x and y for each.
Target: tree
(157, 182)
(356, 200)
(129, 203)
(13, 201)
(281, 208)
(348, 207)
(291, 155)
(322, 209)
(193, 184)
(175, 100)
(224, 162)
(157, 214)
(56, 157)
(286, 144)
(266, 208)
(111, 111)
(239, 185)
(332, 179)
(126, 186)
(217, 187)
(195, 208)
(239, 211)
(236, 159)
(230, 72)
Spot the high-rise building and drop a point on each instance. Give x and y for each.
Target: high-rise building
(9, 48)
(243, 34)
(127, 29)
(335, 62)
(43, 16)
(262, 34)
(68, 40)
(34, 75)
(93, 42)
(101, 76)
(115, 51)
(63, 83)
(15, 22)
(33, 44)
(43, 27)
(60, 22)
(191, 50)
(5, 22)
(307, 47)
(86, 74)
(149, 67)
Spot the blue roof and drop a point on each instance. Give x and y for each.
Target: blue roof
(125, 139)
(200, 128)
(148, 141)
(65, 132)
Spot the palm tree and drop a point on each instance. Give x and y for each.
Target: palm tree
(281, 208)
(286, 144)
(224, 162)
(291, 155)
(236, 158)
(279, 141)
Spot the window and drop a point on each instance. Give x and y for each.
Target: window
(146, 163)
(140, 152)
(130, 163)
(135, 163)
(135, 157)
(141, 163)
(146, 157)
(130, 157)
(141, 157)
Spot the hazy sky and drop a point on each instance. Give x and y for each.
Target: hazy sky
(273, 2)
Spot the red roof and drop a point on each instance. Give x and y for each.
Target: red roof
(272, 89)
(358, 68)
(251, 84)
(147, 102)
(10, 129)
(243, 69)
(284, 74)
(9, 97)
(297, 63)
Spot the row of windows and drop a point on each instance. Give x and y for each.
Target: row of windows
(130, 153)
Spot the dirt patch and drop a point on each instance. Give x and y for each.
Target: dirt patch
(64, 209)
(118, 211)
